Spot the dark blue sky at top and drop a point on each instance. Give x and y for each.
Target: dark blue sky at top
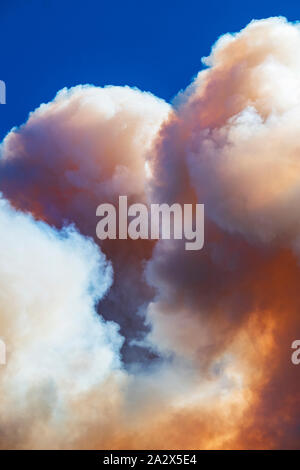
(154, 45)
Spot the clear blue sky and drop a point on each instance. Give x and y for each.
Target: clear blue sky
(155, 45)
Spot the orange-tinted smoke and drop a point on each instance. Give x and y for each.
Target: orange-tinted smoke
(221, 320)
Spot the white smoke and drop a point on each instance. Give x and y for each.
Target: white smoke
(58, 347)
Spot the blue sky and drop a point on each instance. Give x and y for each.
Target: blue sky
(155, 45)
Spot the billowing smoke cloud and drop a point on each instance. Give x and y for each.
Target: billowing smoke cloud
(58, 348)
(206, 361)
(233, 145)
(86, 147)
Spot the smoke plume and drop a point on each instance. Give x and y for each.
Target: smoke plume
(141, 344)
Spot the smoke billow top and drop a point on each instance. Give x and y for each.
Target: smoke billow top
(141, 344)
